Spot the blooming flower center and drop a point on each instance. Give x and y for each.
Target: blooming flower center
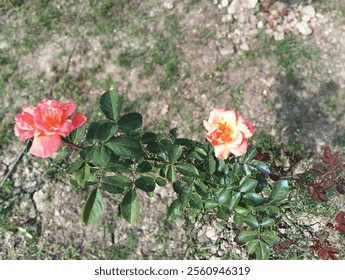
(225, 132)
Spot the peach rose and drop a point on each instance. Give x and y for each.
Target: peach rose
(47, 123)
(228, 132)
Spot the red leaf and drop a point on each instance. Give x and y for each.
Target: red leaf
(323, 196)
(340, 218)
(341, 188)
(327, 152)
(328, 184)
(341, 228)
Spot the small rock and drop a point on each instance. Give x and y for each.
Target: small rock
(260, 24)
(224, 3)
(309, 10)
(278, 36)
(235, 7)
(211, 233)
(304, 28)
(215, 2)
(241, 18)
(305, 18)
(244, 47)
(227, 50)
(168, 4)
(252, 3)
(227, 18)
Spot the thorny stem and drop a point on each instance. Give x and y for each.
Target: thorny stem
(72, 145)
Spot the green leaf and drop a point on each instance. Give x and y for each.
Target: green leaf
(145, 183)
(252, 245)
(247, 235)
(253, 199)
(251, 221)
(125, 146)
(223, 213)
(242, 211)
(175, 210)
(270, 237)
(234, 200)
(110, 104)
(251, 153)
(77, 135)
(130, 206)
(247, 170)
(261, 166)
(188, 169)
(200, 151)
(129, 122)
(220, 164)
(200, 188)
(177, 186)
(280, 191)
(210, 165)
(175, 154)
(247, 184)
(173, 133)
(262, 252)
(185, 195)
(224, 196)
(144, 167)
(148, 137)
(267, 223)
(100, 132)
(195, 201)
(171, 174)
(211, 204)
(116, 184)
(75, 166)
(160, 181)
(101, 156)
(238, 219)
(82, 175)
(94, 207)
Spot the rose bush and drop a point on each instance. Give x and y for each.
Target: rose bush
(219, 177)
(46, 123)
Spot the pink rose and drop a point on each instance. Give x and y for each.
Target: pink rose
(47, 123)
(228, 132)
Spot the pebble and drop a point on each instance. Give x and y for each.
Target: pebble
(252, 3)
(168, 4)
(227, 50)
(278, 36)
(244, 47)
(224, 3)
(304, 28)
(309, 10)
(235, 7)
(306, 18)
(260, 24)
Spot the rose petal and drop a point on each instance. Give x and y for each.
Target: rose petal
(68, 108)
(221, 151)
(78, 120)
(215, 116)
(240, 150)
(45, 145)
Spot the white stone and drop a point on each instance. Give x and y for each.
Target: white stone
(224, 3)
(306, 18)
(235, 7)
(304, 28)
(309, 10)
(227, 18)
(227, 50)
(244, 47)
(215, 2)
(278, 36)
(168, 4)
(252, 3)
(260, 24)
